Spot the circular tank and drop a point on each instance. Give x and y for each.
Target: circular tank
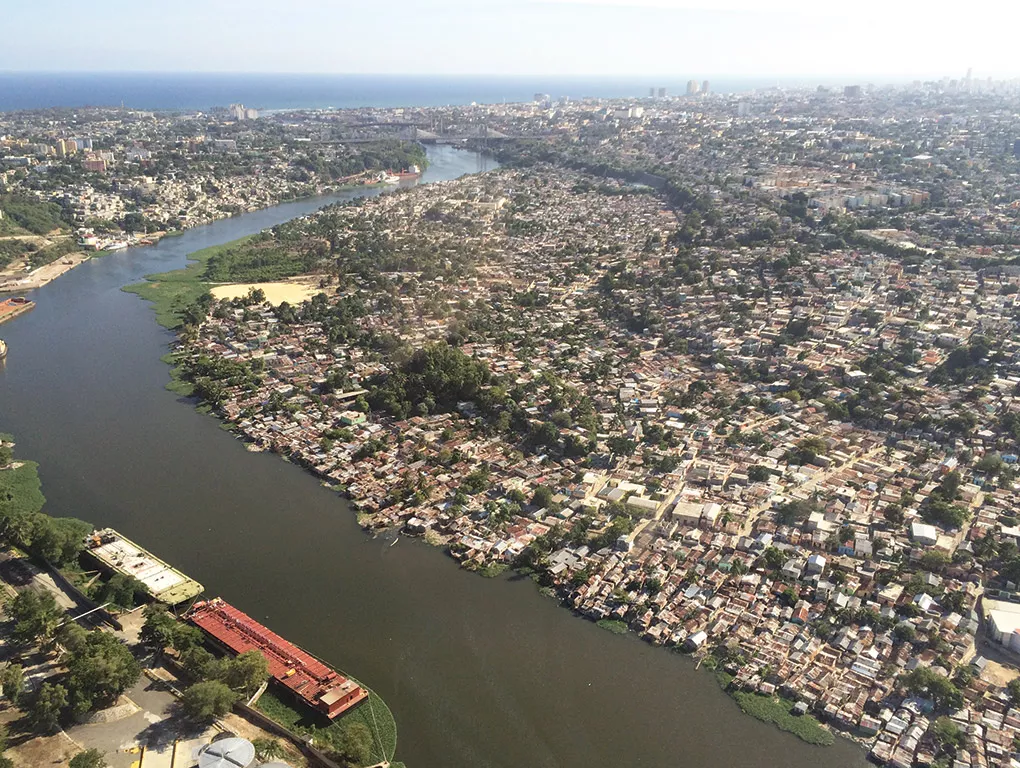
(227, 753)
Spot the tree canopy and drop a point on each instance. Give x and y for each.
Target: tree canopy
(207, 700)
(438, 374)
(100, 671)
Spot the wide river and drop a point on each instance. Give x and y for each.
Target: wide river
(480, 673)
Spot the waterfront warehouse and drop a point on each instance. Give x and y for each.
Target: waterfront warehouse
(121, 555)
(319, 686)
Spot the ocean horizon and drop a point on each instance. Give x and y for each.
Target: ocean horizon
(202, 91)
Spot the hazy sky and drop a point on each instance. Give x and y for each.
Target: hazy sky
(573, 37)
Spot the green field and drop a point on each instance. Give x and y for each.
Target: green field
(171, 292)
(373, 713)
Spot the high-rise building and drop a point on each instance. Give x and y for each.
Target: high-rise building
(1016, 148)
(236, 111)
(651, 93)
(704, 87)
(692, 87)
(662, 93)
(852, 91)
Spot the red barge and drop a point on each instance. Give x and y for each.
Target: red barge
(310, 680)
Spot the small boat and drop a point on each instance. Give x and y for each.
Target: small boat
(388, 178)
(118, 246)
(3, 349)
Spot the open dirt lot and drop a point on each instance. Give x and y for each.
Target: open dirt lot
(292, 292)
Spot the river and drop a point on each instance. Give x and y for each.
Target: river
(480, 673)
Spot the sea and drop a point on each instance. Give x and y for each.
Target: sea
(201, 91)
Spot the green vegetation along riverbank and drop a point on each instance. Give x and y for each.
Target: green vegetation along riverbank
(368, 733)
(779, 712)
(173, 293)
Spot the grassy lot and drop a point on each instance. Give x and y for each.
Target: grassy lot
(171, 292)
(373, 713)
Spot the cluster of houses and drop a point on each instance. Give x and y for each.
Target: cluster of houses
(797, 463)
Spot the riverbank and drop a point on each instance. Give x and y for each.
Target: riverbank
(170, 293)
(21, 498)
(10, 282)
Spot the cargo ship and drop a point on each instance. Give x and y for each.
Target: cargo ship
(413, 172)
(11, 308)
(118, 554)
(311, 681)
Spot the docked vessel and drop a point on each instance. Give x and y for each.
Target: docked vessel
(118, 246)
(11, 308)
(118, 554)
(308, 679)
(388, 178)
(412, 172)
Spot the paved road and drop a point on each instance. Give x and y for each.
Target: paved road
(22, 574)
(150, 727)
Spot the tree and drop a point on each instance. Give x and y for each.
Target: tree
(36, 615)
(12, 680)
(6, 455)
(542, 497)
(894, 514)
(773, 558)
(758, 473)
(621, 446)
(934, 561)
(102, 670)
(161, 630)
(49, 702)
(267, 750)
(199, 663)
(72, 637)
(122, 590)
(207, 700)
(948, 735)
(930, 684)
(1013, 687)
(905, 632)
(90, 758)
(793, 512)
(247, 672)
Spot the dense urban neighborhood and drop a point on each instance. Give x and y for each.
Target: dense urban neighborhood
(737, 373)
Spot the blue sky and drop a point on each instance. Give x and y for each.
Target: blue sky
(573, 37)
